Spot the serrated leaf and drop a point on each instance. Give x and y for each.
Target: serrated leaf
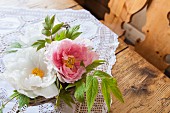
(57, 28)
(16, 45)
(79, 91)
(114, 89)
(91, 91)
(23, 100)
(75, 35)
(46, 32)
(101, 74)
(106, 93)
(95, 64)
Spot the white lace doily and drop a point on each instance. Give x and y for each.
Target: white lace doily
(13, 21)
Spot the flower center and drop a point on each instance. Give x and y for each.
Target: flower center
(38, 72)
(70, 62)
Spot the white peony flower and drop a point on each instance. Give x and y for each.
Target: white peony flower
(28, 73)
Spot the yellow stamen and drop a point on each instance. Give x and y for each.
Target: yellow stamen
(38, 72)
(70, 62)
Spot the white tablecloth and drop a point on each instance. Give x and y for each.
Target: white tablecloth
(14, 22)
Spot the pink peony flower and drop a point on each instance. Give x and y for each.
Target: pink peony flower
(66, 56)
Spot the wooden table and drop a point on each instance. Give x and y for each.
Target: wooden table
(144, 87)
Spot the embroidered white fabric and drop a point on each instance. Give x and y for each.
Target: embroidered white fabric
(13, 22)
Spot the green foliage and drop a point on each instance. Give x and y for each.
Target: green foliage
(91, 91)
(1, 109)
(73, 33)
(22, 99)
(66, 97)
(39, 44)
(60, 36)
(14, 47)
(114, 88)
(46, 32)
(79, 91)
(106, 93)
(101, 74)
(95, 64)
(57, 28)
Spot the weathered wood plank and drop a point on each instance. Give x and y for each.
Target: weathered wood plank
(144, 87)
(157, 30)
(48, 4)
(122, 46)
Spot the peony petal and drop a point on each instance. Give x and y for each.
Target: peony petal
(28, 93)
(47, 92)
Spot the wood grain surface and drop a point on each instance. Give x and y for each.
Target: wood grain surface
(144, 87)
(47, 4)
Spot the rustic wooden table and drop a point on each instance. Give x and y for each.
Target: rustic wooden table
(144, 87)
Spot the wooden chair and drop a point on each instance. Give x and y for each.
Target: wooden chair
(153, 41)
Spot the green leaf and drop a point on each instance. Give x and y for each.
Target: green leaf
(16, 45)
(114, 89)
(106, 93)
(79, 91)
(101, 74)
(61, 36)
(39, 44)
(46, 32)
(52, 21)
(47, 19)
(75, 35)
(48, 40)
(1, 109)
(57, 28)
(47, 27)
(23, 100)
(95, 64)
(91, 91)
(75, 28)
(14, 95)
(11, 51)
(47, 24)
(35, 44)
(66, 97)
(70, 86)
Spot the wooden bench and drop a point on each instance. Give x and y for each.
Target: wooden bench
(144, 87)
